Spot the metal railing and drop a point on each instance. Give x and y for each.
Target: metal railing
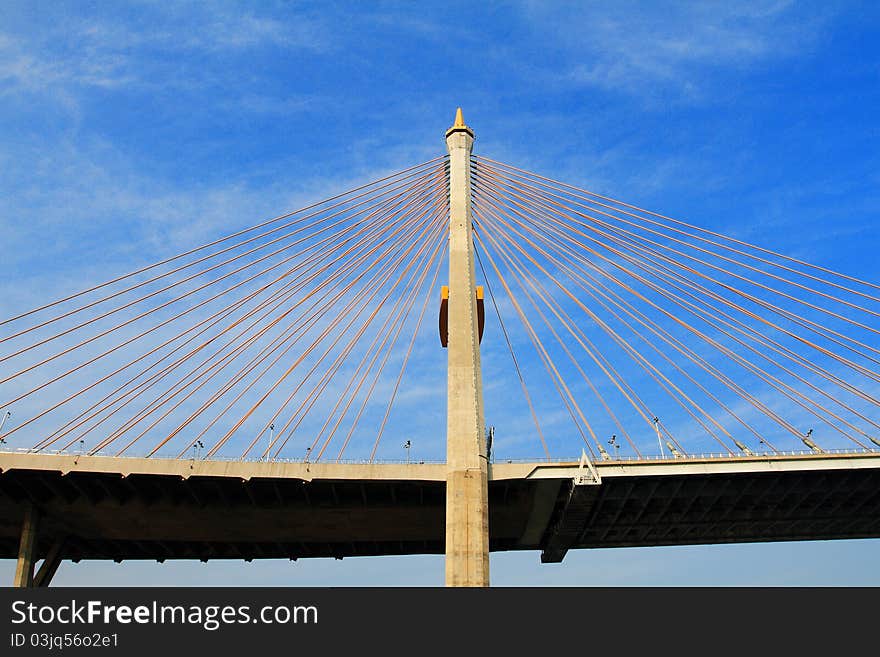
(629, 458)
(697, 456)
(225, 459)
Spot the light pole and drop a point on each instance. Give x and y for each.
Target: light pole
(613, 442)
(271, 440)
(659, 439)
(6, 416)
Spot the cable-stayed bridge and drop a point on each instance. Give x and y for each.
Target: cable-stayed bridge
(615, 377)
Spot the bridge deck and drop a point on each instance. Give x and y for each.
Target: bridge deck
(129, 508)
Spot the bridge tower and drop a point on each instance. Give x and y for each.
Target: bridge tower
(467, 503)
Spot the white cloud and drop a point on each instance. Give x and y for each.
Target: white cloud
(638, 47)
(85, 53)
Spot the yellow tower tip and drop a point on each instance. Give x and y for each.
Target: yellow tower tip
(459, 125)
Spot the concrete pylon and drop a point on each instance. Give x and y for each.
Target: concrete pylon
(467, 492)
(24, 567)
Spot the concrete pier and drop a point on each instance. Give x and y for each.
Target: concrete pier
(24, 567)
(467, 507)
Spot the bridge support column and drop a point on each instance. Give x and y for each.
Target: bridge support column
(567, 526)
(50, 564)
(24, 569)
(467, 504)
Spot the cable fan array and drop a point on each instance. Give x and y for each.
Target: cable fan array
(274, 340)
(659, 336)
(623, 331)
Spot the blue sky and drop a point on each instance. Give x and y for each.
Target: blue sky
(129, 131)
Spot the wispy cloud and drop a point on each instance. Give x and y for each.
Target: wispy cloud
(639, 48)
(84, 52)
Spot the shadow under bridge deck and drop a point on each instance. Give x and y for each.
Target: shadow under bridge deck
(133, 508)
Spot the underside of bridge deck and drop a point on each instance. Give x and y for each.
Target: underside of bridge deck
(89, 514)
(711, 508)
(105, 516)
